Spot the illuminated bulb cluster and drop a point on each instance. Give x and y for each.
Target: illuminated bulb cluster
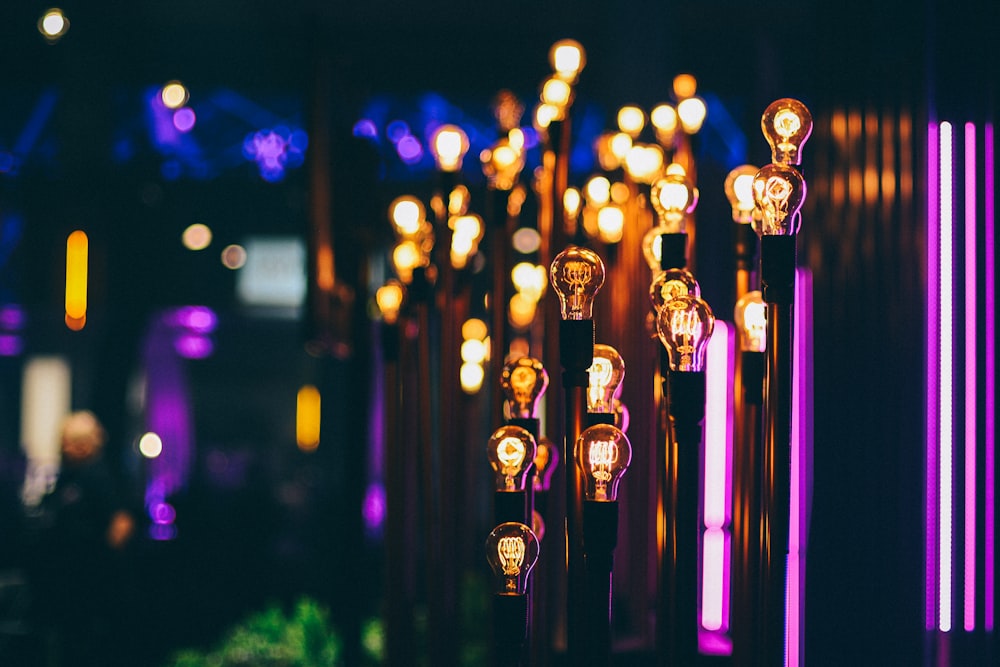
(449, 144)
(523, 382)
(475, 353)
(674, 198)
(670, 284)
(511, 551)
(778, 188)
(568, 59)
(603, 208)
(529, 282)
(502, 163)
(603, 454)
(415, 236)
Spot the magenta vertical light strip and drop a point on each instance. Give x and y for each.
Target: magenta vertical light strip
(990, 368)
(969, 578)
(933, 272)
(946, 379)
(800, 476)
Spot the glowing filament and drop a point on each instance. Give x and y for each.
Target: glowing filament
(76, 280)
(603, 455)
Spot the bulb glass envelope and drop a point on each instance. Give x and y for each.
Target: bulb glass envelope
(778, 191)
(786, 124)
(577, 274)
(511, 551)
(523, 382)
(511, 450)
(607, 371)
(603, 453)
(685, 326)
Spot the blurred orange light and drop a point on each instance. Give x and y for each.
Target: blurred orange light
(76, 280)
(307, 418)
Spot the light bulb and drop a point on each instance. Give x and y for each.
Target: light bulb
(511, 551)
(751, 322)
(670, 284)
(786, 124)
(603, 453)
(407, 214)
(567, 58)
(685, 325)
(631, 120)
(546, 461)
(673, 198)
(778, 191)
(503, 163)
(523, 382)
(739, 192)
(606, 374)
(557, 92)
(692, 112)
(389, 298)
(577, 274)
(449, 144)
(644, 162)
(511, 451)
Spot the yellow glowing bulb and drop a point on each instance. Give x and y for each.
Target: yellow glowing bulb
(631, 120)
(389, 298)
(529, 280)
(567, 58)
(644, 163)
(685, 86)
(786, 124)
(53, 24)
(196, 237)
(664, 118)
(598, 191)
(174, 95)
(516, 139)
(511, 551)
(76, 279)
(610, 224)
(692, 113)
(673, 198)
(449, 143)
(150, 445)
(406, 213)
(751, 322)
(406, 257)
(521, 311)
(739, 191)
(557, 93)
(606, 373)
(474, 329)
(470, 376)
(545, 114)
(307, 418)
(473, 351)
(571, 202)
(577, 275)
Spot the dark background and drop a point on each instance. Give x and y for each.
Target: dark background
(275, 530)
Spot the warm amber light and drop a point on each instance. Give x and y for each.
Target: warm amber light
(474, 328)
(307, 418)
(598, 191)
(692, 113)
(644, 163)
(739, 190)
(471, 377)
(174, 95)
(389, 298)
(567, 58)
(685, 86)
(196, 237)
(529, 279)
(449, 143)
(610, 224)
(557, 93)
(664, 118)
(76, 278)
(631, 120)
(406, 257)
(571, 202)
(406, 213)
(53, 24)
(521, 311)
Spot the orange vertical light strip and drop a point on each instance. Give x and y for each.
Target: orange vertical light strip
(307, 418)
(77, 246)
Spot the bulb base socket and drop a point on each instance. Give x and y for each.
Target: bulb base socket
(777, 269)
(576, 351)
(673, 251)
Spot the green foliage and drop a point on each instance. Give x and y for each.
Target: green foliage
(271, 638)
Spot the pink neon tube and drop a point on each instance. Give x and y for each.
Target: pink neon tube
(969, 597)
(990, 373)
(933, 273)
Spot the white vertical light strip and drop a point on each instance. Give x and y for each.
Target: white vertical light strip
(718, 435)
(945, 348)
(971, 407)
(45, 402)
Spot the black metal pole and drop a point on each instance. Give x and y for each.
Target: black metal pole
(778, 281)
(600, 536)
(686, 396)
(576, 349)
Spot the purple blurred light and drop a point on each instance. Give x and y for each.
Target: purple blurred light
(162, 514)
(184, 119)
(11, 345)
(409, 149)
(12, 317)
(366, 128)
(373, 508)
(199, 319)
(194, 346)
(396, 130)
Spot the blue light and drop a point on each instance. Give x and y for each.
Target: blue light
(366, 128)
(396, 130)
